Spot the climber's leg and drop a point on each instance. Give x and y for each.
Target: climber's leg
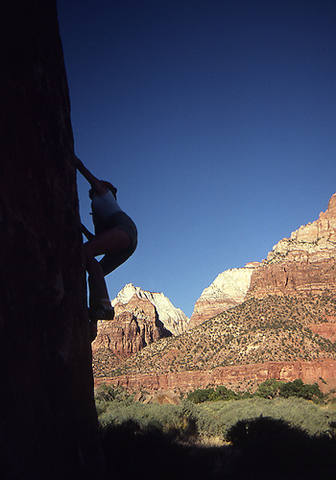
(99, 303)
(98, 293)
(115, 241)
(112, 240)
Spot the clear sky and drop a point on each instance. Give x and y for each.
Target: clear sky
(216, 121)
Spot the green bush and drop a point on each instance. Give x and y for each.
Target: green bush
(273, 388)
(269, 389)
(299, 389)
(217, 418)
(108, 393)
(201, 395)
(210, 394)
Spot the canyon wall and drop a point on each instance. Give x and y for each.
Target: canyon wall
(305, 263)
(135, 325)
(48, 421)
(239, 377)
(301, 269)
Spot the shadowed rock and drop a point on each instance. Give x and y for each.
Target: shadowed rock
(48, 419)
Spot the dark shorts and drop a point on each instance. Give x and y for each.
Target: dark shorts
(122, 221)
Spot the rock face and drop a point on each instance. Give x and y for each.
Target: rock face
(277, 321)
(303, 263)
(239, 377)
(172, 318)
(226, 291)
(134, 326)
(141, 318)
(49, 422)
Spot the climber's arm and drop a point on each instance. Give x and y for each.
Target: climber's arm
(96, 184)
(86, 232)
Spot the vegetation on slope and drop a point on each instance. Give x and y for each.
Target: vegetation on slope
(248, 438)
(269, 389)
(274, 328)
(213, 418)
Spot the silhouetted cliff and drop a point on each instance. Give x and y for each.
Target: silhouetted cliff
(48, 419)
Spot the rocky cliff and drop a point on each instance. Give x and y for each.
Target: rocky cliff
(135, 325)
(48, 418)
(141, 318)
(257, 339)
(227, 290)
(303, 263)
(238, 377)
(172, 318)
(278, 319)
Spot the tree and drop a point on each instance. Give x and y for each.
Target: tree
(269, 389)
(298, 388)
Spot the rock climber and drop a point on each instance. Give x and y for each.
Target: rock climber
(115, 237)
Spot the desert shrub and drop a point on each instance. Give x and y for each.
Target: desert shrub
(108, 393)
(224, 393)
(210, 394)
(187, 414)
(264, 430)
(269, 389)
(216, 418)
(179, 420)
(101, 407)
(267, 442)
(299, 389)
(200, 395)
(273, 388)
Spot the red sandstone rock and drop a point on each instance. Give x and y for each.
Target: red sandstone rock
(172, 318)
(135, 325)
(48, 417)
(293, 277)
(326, 330)
(304, 263)
(238, 377)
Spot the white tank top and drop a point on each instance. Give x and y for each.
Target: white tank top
(103, 206)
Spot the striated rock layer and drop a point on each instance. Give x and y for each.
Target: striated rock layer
(238, 377)
(134, 326)
(140, 319)
(303, 263)
(280, 309)
(49, 424)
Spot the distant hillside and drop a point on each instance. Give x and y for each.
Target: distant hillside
(303, 263)
(276, 317)
(259, 330)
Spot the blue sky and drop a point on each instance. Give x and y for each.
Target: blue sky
(215, 120)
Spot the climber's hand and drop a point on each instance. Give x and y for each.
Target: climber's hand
(98, 186)
(76, 161)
